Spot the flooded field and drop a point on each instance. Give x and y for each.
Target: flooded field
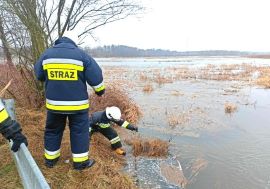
(214, 112)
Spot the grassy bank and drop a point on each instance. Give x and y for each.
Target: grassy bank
(106, 173)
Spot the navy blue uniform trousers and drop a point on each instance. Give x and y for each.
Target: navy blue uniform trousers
(79, 131)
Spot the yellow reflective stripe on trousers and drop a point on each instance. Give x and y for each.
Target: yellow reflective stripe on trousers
(52, 155)
(125, 124)
(103, 125)
(115, 140)
(3, 115)
(63, 66)
(80, 157)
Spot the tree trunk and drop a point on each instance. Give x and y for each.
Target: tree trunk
(5, 43)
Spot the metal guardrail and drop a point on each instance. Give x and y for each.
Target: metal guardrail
(30, 174)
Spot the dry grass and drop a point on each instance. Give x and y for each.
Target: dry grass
(148, 88)
(173, 120)
(160, 80)
(143, 77)
(106, 173)
(264, 81)
(230, 107)
(148, 147)
(23, 88)
(177, 93)
(225, 72)
(9, 177)
(177, 119)
(114, 96)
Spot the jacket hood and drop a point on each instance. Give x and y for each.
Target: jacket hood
(65, 40)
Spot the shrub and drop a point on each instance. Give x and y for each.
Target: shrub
(114, 96)
(230, 108)
(148, 147)
(23, 89)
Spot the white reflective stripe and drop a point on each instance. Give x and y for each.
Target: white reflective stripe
(51, 153)
(80, 155)
(62, 61)
(97, 86)
(1, 106)
(67, 103)
(114, 140)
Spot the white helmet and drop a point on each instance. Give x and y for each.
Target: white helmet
(72, 35)
(113, 113)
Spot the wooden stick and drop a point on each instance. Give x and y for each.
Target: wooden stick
(2, 92)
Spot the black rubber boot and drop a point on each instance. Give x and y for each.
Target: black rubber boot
(50, 163)
(83, 165)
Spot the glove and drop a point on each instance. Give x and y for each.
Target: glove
(132, 128)
(18, 139)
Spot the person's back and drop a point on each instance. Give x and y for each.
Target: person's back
(66, 69)
(99, 117)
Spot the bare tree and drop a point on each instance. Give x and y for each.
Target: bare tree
(46, 20)
(88, 15)
(25, 10)
(28, 27)
(3, 38)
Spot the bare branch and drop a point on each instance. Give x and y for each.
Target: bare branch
(60, 10)
(68, 17)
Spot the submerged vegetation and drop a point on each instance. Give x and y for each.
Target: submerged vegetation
(148, 88)
(230, 108)
(252, 74)
(148, 147)
(264, 81)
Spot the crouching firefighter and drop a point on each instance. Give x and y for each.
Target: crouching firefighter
(66, 69)
(101, 122)
(11, 129)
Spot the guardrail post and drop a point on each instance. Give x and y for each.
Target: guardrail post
(30, 174)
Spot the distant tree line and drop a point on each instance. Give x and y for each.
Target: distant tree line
(126, 51)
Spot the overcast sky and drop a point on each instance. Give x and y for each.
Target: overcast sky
(185, 25)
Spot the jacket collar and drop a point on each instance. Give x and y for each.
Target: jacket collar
(104, 116)
(64, 40)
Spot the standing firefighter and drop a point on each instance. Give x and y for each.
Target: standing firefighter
(101, 122)
(11, 129)
(65, 69)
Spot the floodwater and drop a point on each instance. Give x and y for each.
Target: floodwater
(216, 150)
